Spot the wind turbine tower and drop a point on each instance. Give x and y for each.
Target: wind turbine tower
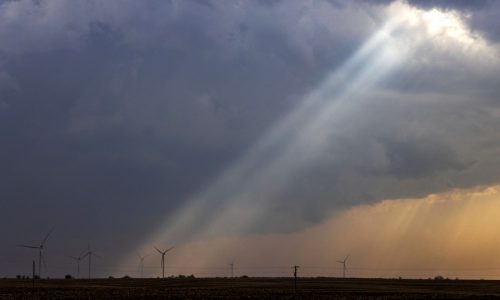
(141, 263)
(231, 265)
(163, 259)
(78, 259)
(40, 252)
(344, 264)
(89, 254)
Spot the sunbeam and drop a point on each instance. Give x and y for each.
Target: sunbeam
(249, 193)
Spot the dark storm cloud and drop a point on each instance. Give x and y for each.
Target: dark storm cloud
(113, 113)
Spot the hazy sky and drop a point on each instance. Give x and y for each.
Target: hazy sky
(141, 123)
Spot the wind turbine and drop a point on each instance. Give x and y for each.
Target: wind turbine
(343, 262)
(295, 271)
(40, 252)
(141, 263)
(163, 259)
(89, 254)
(231, 265)
(78, 259)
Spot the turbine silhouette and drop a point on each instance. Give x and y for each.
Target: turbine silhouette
(40, 248)
(163, 259)
(344, 265)
(231, 265)
(78, 259)
(141, 263)
(89, 254)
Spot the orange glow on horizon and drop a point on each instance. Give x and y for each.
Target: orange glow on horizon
(453, 234)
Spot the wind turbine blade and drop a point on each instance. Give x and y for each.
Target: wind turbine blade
(340, 262)
(75, 258)
(169, 249)
(46, 237)
(158, 250)
(345, 259)
(96, 255)
(85, 255)
(27, 246)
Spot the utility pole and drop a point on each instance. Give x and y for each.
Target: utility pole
(33, 290)
(40, 254)
(34, 274)
(295, 269)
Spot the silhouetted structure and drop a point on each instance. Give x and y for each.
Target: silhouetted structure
(34, 274)
(163, 259)
(141, 263)
(90, 253)
(78, 259)
(295, 269)
(40, 252)
(344, 265)
(231, 265)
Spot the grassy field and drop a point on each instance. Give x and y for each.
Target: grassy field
(249, 288)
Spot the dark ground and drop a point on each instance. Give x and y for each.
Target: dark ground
(249, 288)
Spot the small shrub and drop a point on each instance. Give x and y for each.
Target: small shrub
(68, 276)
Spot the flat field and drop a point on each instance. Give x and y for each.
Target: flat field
(249, 288)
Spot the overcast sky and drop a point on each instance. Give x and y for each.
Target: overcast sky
(121, 118)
